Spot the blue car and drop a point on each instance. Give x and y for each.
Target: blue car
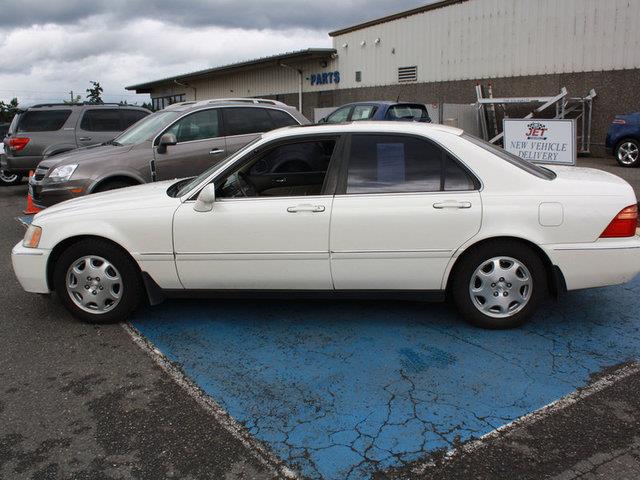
(623, 139)
(413, 112)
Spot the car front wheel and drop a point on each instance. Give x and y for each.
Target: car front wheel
(628, 153)
(97, 282)
(499, 284)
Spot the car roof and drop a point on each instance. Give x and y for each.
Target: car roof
(362, 126)
(192, 105)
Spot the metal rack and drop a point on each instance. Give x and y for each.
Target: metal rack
(575, 108)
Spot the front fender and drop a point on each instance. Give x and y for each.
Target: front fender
(121, 173)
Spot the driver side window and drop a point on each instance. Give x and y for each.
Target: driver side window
(292, 169)
(197, 126)
(339, 115)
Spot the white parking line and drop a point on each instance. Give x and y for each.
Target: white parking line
(554, 407)
(238, 431)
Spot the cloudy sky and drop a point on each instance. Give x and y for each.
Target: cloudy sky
(48, 48)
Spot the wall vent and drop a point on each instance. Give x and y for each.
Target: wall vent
(408, 74)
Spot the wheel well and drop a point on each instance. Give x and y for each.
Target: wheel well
(66, 243)
(118, 178)
(555, 279)
(625, 139)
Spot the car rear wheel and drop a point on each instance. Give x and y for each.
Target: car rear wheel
(97, 282)
(628, 153)
(7, 179)
(499, 284)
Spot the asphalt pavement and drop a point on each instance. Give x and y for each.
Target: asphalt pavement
(80, 401)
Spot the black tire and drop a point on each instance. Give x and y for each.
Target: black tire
(8, 180)
(112, 185)
(627, 153)
(132, 289)
(465, 270)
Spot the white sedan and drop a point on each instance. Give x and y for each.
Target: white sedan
(365, 209)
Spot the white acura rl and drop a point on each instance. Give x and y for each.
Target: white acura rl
(389, 209)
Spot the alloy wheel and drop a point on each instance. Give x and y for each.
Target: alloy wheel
(628, 153)
(94, 284)
(500, 287)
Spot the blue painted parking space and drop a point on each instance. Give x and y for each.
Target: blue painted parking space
(341, 389)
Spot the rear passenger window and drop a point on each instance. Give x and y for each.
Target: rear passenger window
(396, 164)
(101, 120)
(129, 117)
(362, 112)
(42, 121)
(243, 120)
(281, 119)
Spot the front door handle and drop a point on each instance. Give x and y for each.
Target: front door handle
(216, 151)
(306, 208)
(84, 139)
(451, 204)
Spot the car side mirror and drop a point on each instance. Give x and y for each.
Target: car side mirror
(206, 199)
(166, 140)
(322, 120)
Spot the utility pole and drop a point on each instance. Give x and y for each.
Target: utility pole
(71, 93)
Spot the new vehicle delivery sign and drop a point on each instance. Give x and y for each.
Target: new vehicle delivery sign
(541, 141)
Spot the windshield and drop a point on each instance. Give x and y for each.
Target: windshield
(525, 165)
(146, 128)
(185, 188)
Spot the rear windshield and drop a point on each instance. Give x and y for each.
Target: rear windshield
(42, 121)
(529, 167)
(417, 113)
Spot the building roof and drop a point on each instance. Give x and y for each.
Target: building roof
(306, 54)
(395, 16)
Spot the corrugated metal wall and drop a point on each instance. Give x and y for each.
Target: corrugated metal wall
(495, 38)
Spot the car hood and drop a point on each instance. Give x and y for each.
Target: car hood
(86, 154)
(590, 181)
(139, 197)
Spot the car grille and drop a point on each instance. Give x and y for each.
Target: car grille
(40, 173)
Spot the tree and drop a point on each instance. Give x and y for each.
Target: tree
(148, 106)
(94, 93)
(8, 110)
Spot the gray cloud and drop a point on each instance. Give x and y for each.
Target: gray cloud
(249, 14)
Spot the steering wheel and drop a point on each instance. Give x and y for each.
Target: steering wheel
(247, 187)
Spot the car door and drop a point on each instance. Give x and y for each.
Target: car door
(402, 208)
(98, 125)
(269, 231)
(200, 145)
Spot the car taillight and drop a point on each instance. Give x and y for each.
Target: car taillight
(624, 224)
(619, 121)
(18, 143)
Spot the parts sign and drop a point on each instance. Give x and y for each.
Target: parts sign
(541, 140)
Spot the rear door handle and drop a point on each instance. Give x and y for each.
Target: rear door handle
(216, 151)
(306, 208)
(451, 204)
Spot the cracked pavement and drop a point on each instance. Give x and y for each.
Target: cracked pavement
(345, 390)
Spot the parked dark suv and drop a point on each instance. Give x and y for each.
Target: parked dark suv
(182, 140)
(45, 130)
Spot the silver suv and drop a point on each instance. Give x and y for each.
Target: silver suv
(45, 130)
(182, 140)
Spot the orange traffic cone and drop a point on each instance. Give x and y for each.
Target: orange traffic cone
(31, 208)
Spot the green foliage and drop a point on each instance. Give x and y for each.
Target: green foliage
(8, 110)
(94, 93)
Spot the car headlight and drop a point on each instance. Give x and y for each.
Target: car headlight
(62, 173)
(32, 237)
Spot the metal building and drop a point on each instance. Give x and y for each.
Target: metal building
(437, 53)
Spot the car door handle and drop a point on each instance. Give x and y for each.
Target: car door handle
(452, 204)
(306, 208)
(216, 151)
(84, 139)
